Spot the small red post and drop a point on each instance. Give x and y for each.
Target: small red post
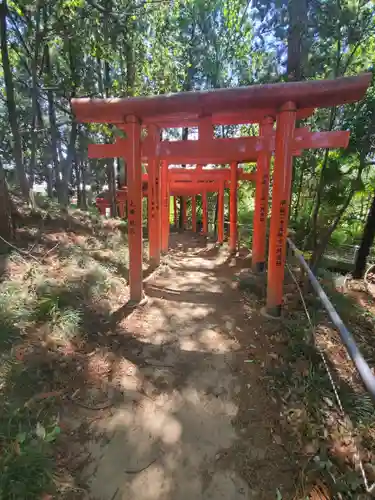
(165, 208)
(134, 182)
(194, 214)
(258, 257)
(220, 214)
(175, 212)
(184, 213)
(282, 181)
(101, 205)
(204, 214)
(233, 209)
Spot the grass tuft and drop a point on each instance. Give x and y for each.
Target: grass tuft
(44, 311)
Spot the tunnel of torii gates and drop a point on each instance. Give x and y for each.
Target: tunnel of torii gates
(275, 107)
(182, 183)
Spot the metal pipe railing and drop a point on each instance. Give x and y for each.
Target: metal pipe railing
(347, 338)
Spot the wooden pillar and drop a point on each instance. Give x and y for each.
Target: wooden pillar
(258, 257)
(220, 214)
(153, 212)
(165, 207)
(282, 180)
(134, 183)
(157, 212)
(204, 213)
(153, 198)
(175, 212)
(184, 213)
(233, 209)
(194, 213)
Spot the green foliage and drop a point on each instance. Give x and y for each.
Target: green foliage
(44, 305)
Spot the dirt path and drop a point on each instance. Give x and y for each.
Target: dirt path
(191, 419)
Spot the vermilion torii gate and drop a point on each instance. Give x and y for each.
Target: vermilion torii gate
(181, 183)
(264, 104)
(189, 182)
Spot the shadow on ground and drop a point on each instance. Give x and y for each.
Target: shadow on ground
(188, 396)
(168, 401)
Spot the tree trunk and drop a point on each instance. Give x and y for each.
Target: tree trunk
(49, 180)
(34, 97)
(67, 166)
(112, 186)
(185, 134)
(66, 169)
(216, 213)
(6, 222)
(324, 239)
(100, 77)
(320, 249)
(106, 82)
(55, 173)
(297, 10)
(366, 243)
(110, 162)
(83, 186)
(78, 181)
(320, 187)
(48, 171)
(300, 183)
(11, 104)
(130, 67)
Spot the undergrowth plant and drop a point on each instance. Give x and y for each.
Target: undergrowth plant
(310, 409)
(45, 306)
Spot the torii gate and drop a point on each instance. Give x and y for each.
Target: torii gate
(283, 102)
(222, 150)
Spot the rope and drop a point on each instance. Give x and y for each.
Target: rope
(357, 458)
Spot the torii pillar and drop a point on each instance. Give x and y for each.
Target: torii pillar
(165, 207)
(134, 199)
(258, 257)
(233, 235)
(282, 182)
(154, 195)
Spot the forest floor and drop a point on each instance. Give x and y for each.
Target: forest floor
(194, 394)
(194, 419)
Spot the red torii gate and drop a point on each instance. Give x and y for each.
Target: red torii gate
(182, 183)
(285, 102)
